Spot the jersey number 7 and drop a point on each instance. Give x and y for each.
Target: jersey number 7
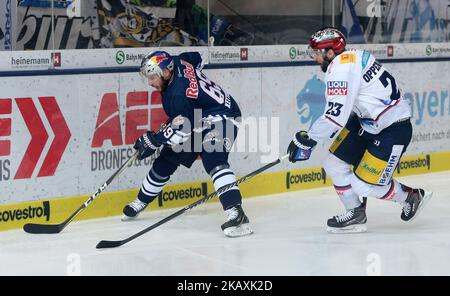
(334, 109)
(384, 77)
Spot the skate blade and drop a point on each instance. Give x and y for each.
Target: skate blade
(126, 218)
(238, 231)
(426, 198)
(357, 228)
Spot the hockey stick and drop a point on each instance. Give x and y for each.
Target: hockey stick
(57, 228)
(113, 244)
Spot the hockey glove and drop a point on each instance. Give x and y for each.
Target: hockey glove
(147, 144)
(300, 147)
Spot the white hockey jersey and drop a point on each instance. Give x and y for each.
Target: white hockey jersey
(357, 83)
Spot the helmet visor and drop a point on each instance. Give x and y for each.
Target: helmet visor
(314, 53)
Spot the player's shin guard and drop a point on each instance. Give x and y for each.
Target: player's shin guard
(348, 197)
(231, 197)
(340, 173)
(391, 192)
(151, 187)
(237, 223)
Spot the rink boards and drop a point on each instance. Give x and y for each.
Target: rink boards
(179, 195)
(62, 136)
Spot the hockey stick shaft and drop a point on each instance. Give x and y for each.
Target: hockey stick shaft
(112, 244)
(102, 188)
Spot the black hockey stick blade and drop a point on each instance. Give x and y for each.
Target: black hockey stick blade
(42, 228)
(50, 228)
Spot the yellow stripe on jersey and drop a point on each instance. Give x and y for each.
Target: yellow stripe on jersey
(339, 139)
(370, 168)
(348, 58)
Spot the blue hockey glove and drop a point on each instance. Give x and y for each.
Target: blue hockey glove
(147, 144)
(300, 147)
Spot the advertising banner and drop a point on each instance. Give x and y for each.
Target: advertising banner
(129, 57)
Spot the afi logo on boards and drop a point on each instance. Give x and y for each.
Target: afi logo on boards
(144, 112)
(38, 132)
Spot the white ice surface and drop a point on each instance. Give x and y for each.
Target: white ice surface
(290, 239)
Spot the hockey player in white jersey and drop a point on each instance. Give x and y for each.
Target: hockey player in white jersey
(364, 104)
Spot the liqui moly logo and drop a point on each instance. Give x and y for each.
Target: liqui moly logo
(337, 88)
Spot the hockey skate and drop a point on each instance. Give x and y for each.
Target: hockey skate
(352, 221)
(132, 210)
(237, 223)
(414, 203)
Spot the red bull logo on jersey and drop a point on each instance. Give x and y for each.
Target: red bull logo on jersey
(189, 73)
(337, 88)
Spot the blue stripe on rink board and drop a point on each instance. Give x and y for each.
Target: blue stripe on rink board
(135, 69)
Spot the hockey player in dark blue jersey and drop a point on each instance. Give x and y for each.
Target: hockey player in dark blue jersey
(203, 122)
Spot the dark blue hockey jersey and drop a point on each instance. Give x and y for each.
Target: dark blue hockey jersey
(190, 89)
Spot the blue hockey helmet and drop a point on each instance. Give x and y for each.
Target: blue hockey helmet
(155, 62)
